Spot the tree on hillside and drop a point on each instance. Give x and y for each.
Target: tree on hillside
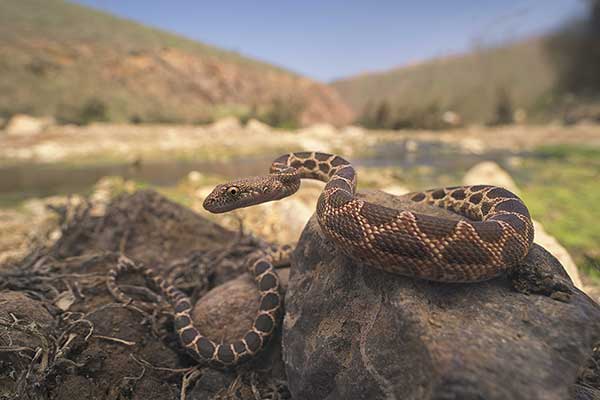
(283, 113)
(504, 109)
(382, 115)
(376, 116)
(365, 118)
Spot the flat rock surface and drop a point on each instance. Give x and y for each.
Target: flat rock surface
(354, 332)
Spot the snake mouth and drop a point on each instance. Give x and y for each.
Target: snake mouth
(217, 207)
(218, 204)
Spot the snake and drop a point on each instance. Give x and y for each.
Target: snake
(493, 237)
(261, 265)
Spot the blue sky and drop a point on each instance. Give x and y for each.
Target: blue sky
(339, 38)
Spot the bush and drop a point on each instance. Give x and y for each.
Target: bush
(382, 116)
(377, 116)
(93, 110)
(136, 119)
(280, 113)
(504, 110)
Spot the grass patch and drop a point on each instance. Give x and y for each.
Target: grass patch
(559, 184)
(568, 153)
(13, 200)
(560, 187)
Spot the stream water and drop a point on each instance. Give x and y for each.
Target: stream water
(39, 180)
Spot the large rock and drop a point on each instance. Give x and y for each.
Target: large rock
(257, 127)
(321, 130)
(228, 310)
(25, 125)
(354, 131)
(354, 332)
(226, 125)
(550, 243)
(488, 172)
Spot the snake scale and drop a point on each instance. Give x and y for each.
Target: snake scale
(495, 236)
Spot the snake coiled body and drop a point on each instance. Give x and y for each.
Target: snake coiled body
(201, 348)
(495, 237)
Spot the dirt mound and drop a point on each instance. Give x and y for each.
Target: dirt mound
(64, 337)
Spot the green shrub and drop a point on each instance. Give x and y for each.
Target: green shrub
(93, 110)
(282, 114)
(503, 114)
(382, 116)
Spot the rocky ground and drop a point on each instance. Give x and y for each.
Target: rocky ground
(63, 335)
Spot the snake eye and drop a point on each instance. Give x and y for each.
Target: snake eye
(233, 190)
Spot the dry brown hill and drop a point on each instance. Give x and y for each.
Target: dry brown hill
(78, 64)
(471, 84)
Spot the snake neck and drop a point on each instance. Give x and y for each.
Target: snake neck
(284, 180)
(336, 172)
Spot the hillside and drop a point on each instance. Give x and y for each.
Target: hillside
(471, 85)
(78, 64)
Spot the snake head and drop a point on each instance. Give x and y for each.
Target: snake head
(247, 192)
